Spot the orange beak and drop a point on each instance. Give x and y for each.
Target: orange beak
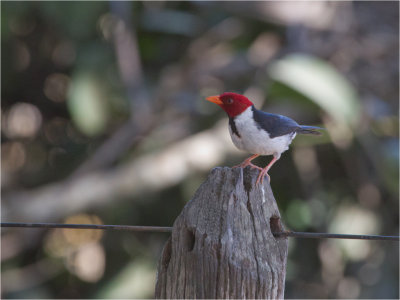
(215, 99)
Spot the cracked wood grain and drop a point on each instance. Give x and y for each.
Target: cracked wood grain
(222, 245)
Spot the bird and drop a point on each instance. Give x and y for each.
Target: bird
(259, 132)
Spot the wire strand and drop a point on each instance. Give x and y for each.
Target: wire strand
(90, 226)
(317, 235)
(283, 234)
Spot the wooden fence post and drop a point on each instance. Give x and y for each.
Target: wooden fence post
(222, 244)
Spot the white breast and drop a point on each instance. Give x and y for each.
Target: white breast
(255, 140)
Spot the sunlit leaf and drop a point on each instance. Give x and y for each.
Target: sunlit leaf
(355, 219)
(321, 83)
(87, 104)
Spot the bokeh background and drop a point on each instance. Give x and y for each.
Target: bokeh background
(103, 120)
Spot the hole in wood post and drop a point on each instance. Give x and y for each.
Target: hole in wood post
(275, 224)
(190, 239)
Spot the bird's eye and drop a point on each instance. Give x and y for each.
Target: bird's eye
(229, 101)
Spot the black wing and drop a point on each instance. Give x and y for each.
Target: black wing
(275, 125)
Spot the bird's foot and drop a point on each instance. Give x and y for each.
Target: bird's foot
(245, 164)
(263, 173)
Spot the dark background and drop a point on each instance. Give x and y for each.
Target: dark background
(104, 121)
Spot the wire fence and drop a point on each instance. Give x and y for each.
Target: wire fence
(282, 234)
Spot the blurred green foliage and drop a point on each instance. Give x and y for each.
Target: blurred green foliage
(133, 76)
(321, 83)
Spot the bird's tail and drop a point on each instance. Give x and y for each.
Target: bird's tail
(310, 130)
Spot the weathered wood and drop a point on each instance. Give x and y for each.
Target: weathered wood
(222, 245)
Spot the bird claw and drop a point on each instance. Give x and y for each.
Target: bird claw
(260, 178)
(244, 165)
(263, 172)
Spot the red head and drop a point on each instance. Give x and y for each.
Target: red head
(233, 104)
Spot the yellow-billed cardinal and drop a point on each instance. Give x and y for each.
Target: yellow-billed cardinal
(258, 132)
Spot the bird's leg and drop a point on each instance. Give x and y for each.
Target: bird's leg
(260, 178)
(247, 162)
